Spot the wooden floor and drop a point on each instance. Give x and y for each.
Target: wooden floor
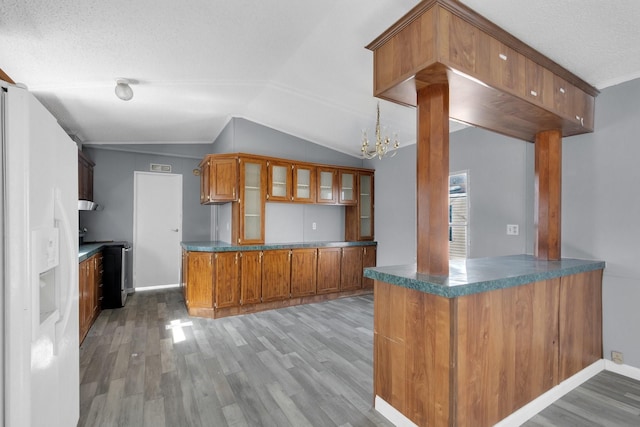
(149, 364)
(606, 400)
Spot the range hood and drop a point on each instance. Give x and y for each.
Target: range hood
(88, 205)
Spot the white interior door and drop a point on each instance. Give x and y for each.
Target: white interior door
(157, 229)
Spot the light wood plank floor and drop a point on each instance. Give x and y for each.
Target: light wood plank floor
(150, 364)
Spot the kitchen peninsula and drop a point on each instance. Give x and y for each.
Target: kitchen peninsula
(467, 343)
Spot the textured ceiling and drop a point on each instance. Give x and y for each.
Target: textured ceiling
(298, 66)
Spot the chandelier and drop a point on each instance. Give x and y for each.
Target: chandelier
(383, 145)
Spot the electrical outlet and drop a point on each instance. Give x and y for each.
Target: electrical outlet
(313, 226)
(617, 357)
(512, 230)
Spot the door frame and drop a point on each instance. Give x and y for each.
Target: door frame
(134, 265)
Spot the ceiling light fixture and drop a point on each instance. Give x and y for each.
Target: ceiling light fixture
(123, 90)
(383, 145)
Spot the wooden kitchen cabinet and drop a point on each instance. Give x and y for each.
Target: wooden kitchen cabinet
(351, 271)
(304, 183)
(226, 279)
(279, 181)
(250, 277)
(369, 259)
(347, 194)
(304, 269)
(329, 270)
(359, 221)
(198, 270)
(89, 292)
(218, 179)
(327, 185)
(276, 275)
(85, 177)
(248, 213)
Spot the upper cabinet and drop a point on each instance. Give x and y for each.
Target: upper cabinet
(304, 183)
(248, 212)
(327, 191)
(250, 181)
(85, 177)
(347, 188)
(359, 218)
(495, 81)
(279, 181)
(218, 179)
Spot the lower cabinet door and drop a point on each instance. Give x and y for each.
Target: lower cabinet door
(199, 275)
(250, 277)
(276, 275)
(351, 272)
(227, 286)
(303, 272)
(328, 270)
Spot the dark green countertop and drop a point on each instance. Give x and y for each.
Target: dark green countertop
(216, 246)
(89, 250)
(475, 275)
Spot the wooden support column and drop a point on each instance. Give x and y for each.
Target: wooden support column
(548, 194)
(433, 180)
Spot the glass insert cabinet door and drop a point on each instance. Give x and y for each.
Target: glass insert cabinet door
(366, 206)
(326, 185)
(347, 193)
(252, 205)
(304, 183)
(279, 181)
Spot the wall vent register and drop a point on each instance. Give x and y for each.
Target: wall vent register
(156, 167)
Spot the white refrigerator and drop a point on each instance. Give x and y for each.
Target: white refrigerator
(39, 266)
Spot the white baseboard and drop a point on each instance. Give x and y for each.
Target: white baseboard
(392, 414)
(155, 288)
(545, 399)
(626, 370)
(535, 406)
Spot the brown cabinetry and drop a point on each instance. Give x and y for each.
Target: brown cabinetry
(279, 182)
(248, 212)
(359, 219)
(89, 292)
(347, 194)
(218, 179)
(304, 184)
(329, 270)
(369, 259)
(219, 284)
(490, 74)
(199, 272)
(327, 185)
(276, 275)
(225, 279)
(351, 271)
(303, 272)
(250, 277)
(85, 177)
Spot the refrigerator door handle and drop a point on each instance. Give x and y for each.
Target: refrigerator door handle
(60, 214)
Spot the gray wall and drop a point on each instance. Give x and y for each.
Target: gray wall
(113, 189)
(600, 205)
(284, 222)
(500, 173)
